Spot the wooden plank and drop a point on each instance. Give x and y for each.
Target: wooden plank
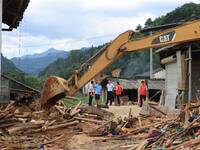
(63, 125)
(89, 120)
(184, 71)
(58, 108)
(23, 115)
(187, 115)
(179, 70)
(53, 140)
(162, 97)
(47, 124)
(157, 109)
(133, 147)
(127, 146)
(13, 130)
(75, 110)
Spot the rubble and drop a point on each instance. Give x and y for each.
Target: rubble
(31, 127)
(156, 130)
(27, 127)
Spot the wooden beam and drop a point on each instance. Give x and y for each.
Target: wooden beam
(155, 108)
(89, 120)
(179, 69)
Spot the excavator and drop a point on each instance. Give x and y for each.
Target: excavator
(56, 88)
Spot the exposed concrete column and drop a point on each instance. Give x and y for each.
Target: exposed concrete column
(179, 69)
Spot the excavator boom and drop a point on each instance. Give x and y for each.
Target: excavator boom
(56, 88)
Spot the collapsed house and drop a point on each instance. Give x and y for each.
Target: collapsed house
(182, 66)
(12, 89)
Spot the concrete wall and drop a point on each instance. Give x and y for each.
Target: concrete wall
(171, 85)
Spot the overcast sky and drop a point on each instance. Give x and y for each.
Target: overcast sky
(72, 24)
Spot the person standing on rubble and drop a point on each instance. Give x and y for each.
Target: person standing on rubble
(142, 93)
(98, 89)
(91, 91)
(118, 92)
(110, 94)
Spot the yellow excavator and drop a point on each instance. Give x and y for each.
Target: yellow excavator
(56, 88)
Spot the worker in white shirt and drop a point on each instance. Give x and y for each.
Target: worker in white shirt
(90, 92)
(110, 92)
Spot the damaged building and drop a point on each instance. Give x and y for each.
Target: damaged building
(182, 66)
(12, 89)
(11, 15)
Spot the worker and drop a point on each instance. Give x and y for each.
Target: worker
(91, 92)
(118, 92)
(98, 90)
(142, 93)
(110, 94)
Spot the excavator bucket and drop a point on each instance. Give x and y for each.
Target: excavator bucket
(54, 89)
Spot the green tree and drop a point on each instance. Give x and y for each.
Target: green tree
(148, 23)
(33, 82)
(16, 74)
(139, 27)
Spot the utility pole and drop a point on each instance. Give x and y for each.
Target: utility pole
(151, 60)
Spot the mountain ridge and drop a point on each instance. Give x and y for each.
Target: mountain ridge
(33, 64)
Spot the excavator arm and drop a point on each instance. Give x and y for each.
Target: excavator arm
(56, 88)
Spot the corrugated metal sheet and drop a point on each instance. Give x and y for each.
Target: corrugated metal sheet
(156, 84)
(134, 84)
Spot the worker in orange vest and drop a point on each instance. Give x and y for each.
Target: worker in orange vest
(142, 93)
(118, 92)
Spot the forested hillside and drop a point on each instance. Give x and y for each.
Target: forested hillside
(7, 65)
(183, 13)
(65, 67)
(8, 68)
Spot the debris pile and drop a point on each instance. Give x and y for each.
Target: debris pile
(157, 130)
(25, 127)
(83, 127)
